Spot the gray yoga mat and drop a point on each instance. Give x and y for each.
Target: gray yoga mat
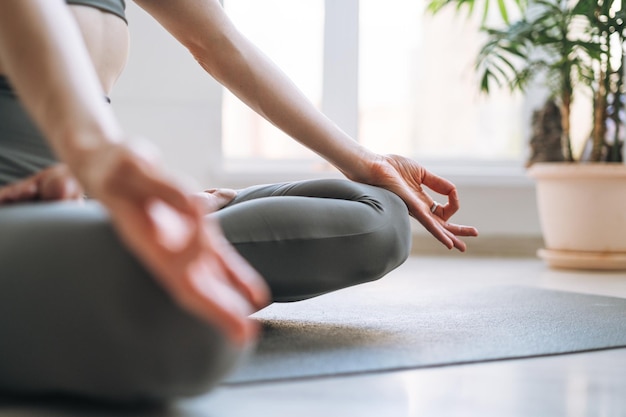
(361, 332)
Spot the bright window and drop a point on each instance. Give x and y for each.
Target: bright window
(417, 91)
(291, 34)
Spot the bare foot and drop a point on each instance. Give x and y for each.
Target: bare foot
(213, 199)
(54, 183)
(59, 184)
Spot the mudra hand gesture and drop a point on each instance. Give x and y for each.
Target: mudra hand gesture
(407, 179)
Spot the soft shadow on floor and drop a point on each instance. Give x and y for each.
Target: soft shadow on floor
(285, 336)
(68, 406)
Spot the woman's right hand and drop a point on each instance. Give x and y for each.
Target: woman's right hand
(407, 179)
(163, 225)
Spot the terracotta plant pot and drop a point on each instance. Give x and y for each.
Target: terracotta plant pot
(582, 210)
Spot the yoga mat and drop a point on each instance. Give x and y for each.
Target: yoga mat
(360, 332)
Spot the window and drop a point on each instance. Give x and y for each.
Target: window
(407, 78)
(291, 34)
(418, 91)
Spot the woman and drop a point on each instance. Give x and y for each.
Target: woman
(81, 314)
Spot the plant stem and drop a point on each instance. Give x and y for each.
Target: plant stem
(566, 103)
(615, 153)
(599, 116)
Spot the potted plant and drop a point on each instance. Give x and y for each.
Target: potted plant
(573, 47)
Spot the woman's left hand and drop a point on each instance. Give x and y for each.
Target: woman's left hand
(406, 178)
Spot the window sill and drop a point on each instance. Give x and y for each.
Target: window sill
(246, 172)
(509, 173)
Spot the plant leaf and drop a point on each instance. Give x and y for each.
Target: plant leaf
(503, 11)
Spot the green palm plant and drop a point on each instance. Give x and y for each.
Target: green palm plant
(567, 44)
(606, 20)
(540, 44)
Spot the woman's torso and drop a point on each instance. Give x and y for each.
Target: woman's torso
(106, 36)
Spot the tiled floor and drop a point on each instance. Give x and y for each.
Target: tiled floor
(587, 384)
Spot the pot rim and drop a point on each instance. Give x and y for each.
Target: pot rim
(577, 170)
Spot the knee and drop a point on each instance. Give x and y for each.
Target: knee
(390, 243)
(169, 354)
(398, 216)
(384, 243)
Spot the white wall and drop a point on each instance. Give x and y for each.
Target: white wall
(165, 96)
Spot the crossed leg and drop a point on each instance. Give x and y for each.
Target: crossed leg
(78, 314)
(311, 237)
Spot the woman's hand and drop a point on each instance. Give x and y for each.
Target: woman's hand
(54, 183)
(406, 178)
(164, 226)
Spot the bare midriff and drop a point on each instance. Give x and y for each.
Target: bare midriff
(107, 40)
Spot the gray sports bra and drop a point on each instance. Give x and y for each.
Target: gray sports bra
(117, 7)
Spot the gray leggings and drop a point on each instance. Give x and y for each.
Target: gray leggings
(79, 315)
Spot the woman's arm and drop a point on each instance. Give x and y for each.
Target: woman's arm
(42, 53)
(204, 28)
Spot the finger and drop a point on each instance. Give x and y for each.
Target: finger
(435, 229)
(216, 302)
(421, 212)
(168, 214)
(175, 231)
(460, 230)
(443, 186)
(458, 243)
(240, 273)
(210, 291)
(452, 206)
(437, 183)
(436, 209)
(220, 311)
(136, 227)
(162, 235)
(246, 279)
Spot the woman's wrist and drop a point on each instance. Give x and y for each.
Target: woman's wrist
(115, 163)
(362, 166)
(87, 154)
